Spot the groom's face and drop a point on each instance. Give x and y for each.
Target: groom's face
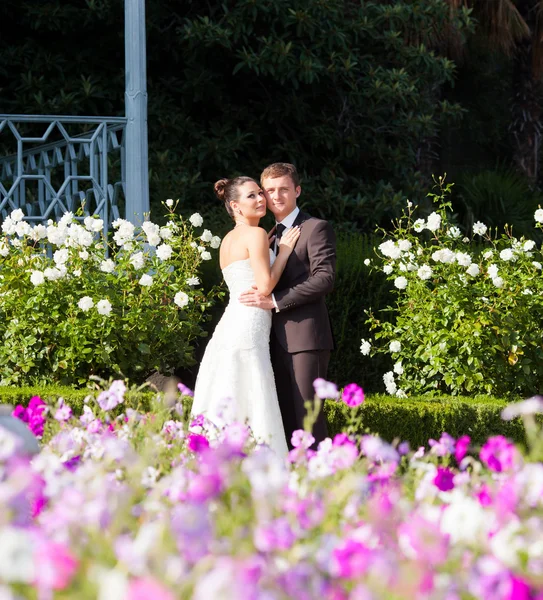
(281, 195)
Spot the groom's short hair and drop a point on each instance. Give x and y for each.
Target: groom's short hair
(280, 170)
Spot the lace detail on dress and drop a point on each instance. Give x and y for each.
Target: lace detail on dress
(235, 381)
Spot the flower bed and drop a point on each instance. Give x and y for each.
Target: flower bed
(139, 506)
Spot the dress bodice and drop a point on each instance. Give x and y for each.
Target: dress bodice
(239, 276)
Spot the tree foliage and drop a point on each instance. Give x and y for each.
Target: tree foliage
(350, 92)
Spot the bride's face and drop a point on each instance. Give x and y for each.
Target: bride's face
(251, 201)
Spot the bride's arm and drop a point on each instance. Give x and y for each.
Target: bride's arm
(266, 278)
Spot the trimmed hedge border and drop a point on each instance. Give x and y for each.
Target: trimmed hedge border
(415, 419)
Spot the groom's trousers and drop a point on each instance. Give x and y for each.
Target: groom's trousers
(294, 376)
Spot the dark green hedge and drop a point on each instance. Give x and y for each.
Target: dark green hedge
(415, 419)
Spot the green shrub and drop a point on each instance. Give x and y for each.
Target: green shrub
(78, 313)
(356, 289)
(415, 420)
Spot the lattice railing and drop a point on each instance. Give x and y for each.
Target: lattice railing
(53, 164)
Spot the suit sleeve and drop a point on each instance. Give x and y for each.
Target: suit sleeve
(322, 267)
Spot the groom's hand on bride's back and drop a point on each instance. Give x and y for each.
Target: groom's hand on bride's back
(254, 298)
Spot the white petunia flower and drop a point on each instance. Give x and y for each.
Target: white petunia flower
(473, 270)
(395, 346)
(206, 255)
(37, 278)
(400, 282)
(388, 269)
(104, 307)
(193, 281)
(164, 251)
(454, 232)
(479, 228)
(365, 347)
(506, 254)
(169, 202)
(196, 220)
(215, 242)
(206, 236)
(498, 282)
(538, 215)
(107, 266)
(181, 299)
(419, 225)
(86, 303)
(146, 280)
(433, 223)
(425, 272)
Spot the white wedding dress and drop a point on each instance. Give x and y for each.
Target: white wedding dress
(235, 382)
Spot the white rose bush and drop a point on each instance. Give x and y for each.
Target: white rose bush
(122, 504)
(73, 304)
(468, 311)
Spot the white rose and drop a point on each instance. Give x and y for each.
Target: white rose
(137, 260)
(454, 232)
(424, 272)
(365, 347)
(463, 259)
(404, 245)
(536, 264)
(492, 271)
(37, 278)
(83, 255)
(196, 220)
(473, 270)
(388, 269)
(538, 215)
(488, 254)
(398, 368)
(419, 225)
(395, 346)
(479, 228)
(66, 219)
(169, 202)
(146, 280)
(86, 303)
(104, 307)
(506, 254)
(367, 262)
(39, 232)
(181, 299)
(193, 281)
(206, 255)
(528, 245)
(400, 282)
(4, 249)
(498, 282)
(17, 215)
(61, 256)
(164, 251)
(77, 272)
(215, 242)
(206, 236)
(107, 266)
(166, 233)
(9, 226)
(93, 224)
(390, 249)
(433, 222)
(23, 228)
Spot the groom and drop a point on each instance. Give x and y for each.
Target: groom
(301, 336)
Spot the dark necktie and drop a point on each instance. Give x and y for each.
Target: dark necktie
(278, 233)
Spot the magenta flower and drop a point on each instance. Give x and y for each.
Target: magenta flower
(204, 486)
(302, 439)
(145, 588)
(462, 445)
(444, 479)
(197, 443)
(351, 559)
(276, 535)
(185, 391)
(423, 540)
(484, 496)
(55, 565)
(353, 395)
(33, 415)
(499, 454)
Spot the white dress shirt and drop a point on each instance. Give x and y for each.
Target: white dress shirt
(288, 222)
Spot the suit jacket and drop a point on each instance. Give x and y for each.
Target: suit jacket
(302, 321)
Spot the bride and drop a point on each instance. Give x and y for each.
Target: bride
(235, 382)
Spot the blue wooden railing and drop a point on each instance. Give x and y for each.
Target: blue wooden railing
(60, 170)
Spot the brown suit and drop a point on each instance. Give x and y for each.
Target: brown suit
(301, 338)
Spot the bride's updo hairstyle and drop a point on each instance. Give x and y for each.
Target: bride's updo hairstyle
(226, 191)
